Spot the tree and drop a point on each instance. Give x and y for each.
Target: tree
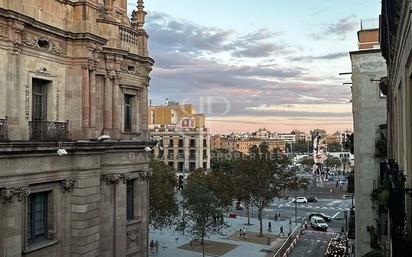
(335, 147)
(345, 161)
(332, 162)
(204, 211)
(301, 146)
(265, 177)
(307, 161)
(163, 206)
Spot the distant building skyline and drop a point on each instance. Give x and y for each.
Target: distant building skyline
(247, 73)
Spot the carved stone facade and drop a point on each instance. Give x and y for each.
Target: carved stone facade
(74, 78)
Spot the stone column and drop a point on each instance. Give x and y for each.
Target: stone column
(85, 215)
(116, 104)
(92, 100)
(12, 210)
(85, 96)
(108, 103)
(120, 220)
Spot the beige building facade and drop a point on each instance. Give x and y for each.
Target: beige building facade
(396, 44)
(74, 78)
(369, 113)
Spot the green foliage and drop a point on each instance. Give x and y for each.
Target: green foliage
(335, 147)
(307, 161)
(263, 177)
(332, 162)
(163, 207)
(204, 211)
(222, 159)
(302, 147)
(381, 194)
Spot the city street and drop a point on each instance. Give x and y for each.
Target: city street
(331, 207)
(311, 244)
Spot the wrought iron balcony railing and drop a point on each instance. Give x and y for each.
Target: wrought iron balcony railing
(3, 130)
(49, 131)
(395, 178)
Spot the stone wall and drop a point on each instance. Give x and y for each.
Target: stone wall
(369, 111)
(87, 199)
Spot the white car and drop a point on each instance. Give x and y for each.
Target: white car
(318, 223)
(300, 200)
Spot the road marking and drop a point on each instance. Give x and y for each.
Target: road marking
(334, 202)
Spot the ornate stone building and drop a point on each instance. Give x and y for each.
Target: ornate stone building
(73, 128)
(396, 171)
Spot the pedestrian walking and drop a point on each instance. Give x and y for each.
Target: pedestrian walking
(281, 231)
(240, 232)
(157, 246)
(152, 244)
(270, 226)
(244, 231)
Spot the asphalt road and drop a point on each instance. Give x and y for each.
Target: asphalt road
(331, 207)
(311, 244)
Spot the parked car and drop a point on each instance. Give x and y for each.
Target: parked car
(239, 206)
(312, 199)
(300, 200)
(318, 223)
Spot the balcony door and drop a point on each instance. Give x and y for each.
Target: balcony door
(39, 100)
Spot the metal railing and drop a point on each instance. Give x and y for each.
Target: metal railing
(49, 131)
(3, 130)
(288, 242)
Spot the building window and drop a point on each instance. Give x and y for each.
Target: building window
(128, 112)
(37, 217)
(204, 165)
(130, 200)
(180, 166)
(180, 142)
(39, 100)
(204, 154)
(192, 143)
(171, 164)
(171, 144)
(192, 166)
(204, 143)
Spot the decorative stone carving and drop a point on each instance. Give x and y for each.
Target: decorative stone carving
(43, 44)
(27, 102)
(130, 68)
(58, 104)
(22, 192)
(44, 72)
(68, 185)
(132, 237)
(144, 175)
(8, 193)
(3, 31)
(116, 178)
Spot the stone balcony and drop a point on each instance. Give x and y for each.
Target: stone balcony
(134, 41)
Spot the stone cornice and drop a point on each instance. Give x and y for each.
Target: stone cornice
(36, 148)
(12, 15)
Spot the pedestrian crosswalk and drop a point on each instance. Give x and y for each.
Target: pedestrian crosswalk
(307, 206)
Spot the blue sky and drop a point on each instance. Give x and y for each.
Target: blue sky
(260, 63)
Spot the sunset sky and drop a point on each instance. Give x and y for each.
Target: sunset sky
(254, 64)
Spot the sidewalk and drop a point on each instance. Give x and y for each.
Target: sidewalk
(169, 240)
